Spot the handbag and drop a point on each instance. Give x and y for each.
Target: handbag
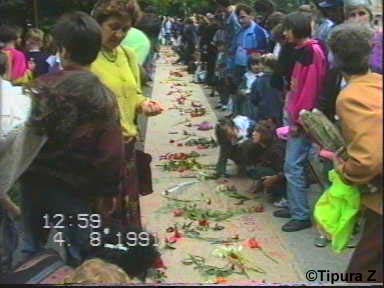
(144, 172)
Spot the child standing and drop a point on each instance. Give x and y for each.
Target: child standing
(241, 100)
(34, 42)
(267, 99)
(307, 84)
(20, 70)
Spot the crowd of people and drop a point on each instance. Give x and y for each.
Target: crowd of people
(72, 97)
(264, 70)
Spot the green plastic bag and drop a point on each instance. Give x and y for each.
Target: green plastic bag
(337, 211)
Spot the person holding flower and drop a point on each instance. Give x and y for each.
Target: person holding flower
(118, 69)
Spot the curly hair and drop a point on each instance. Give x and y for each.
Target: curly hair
(245, 8)
(79, 100)
(97, 271)
(34, 34)
(105, 9)
(352, 47)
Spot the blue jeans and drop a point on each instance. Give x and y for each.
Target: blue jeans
(295, 169)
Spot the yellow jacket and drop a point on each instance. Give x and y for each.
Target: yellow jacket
(123, 78)
(360, 108)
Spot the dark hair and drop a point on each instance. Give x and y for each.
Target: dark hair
(274, 19)
(267, 128)
(299, 23)
(105, 9)
(80, 35)
(270, 62)
(79, 99)
(3, 63)
(150, 24)
(8, 34)
(137, 260)
(221, 131)
(224, 3)
(254, 59)
(278, 32)
(351, 45)
(264, 7)
(243, 7)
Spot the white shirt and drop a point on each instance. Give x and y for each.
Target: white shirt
(242, 123)
(19, 144)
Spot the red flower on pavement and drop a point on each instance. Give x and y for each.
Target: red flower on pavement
(252, 243)
(178, 212)
(221, 280)
(176, 237)
(202, 147)
(159, 263)
(204, 223)
(177, 234)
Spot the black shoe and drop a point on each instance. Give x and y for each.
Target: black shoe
(321, 241)
(218, 106)
(296, 225)
(282, 213)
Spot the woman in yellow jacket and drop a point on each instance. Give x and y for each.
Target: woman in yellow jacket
(118, 69)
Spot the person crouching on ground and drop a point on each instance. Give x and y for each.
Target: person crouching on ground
(269, 163)
(233, 137)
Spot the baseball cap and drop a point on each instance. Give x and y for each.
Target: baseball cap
(331, 3)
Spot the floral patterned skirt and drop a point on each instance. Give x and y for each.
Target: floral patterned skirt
(125, 206)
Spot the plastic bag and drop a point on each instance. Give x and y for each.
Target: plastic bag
(337, 211)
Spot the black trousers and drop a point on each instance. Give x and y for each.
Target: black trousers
(368, 255)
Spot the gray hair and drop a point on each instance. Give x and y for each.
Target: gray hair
(351, 44)
(350, 5)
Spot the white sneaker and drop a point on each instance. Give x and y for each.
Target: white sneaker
(224, 108)
(283, 203)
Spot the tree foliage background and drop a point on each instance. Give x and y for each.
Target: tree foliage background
(21, 12)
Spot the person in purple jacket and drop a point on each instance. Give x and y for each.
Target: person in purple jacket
(307, 82)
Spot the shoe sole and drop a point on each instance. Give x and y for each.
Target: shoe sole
(287, 216)
(295, 230)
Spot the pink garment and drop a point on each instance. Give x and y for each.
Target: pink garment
(18, 63)
(327, 154)
(308, 78)
(283, 132)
